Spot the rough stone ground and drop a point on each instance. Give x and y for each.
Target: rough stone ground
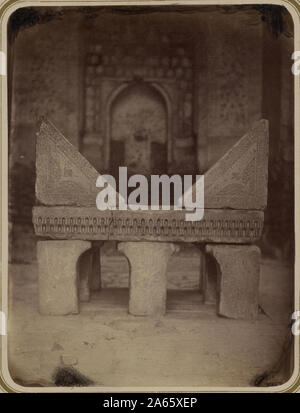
(190, 346)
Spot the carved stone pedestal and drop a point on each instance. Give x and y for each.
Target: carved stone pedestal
(148, 285)
(237, 279)
(57, 261)
(232, 220)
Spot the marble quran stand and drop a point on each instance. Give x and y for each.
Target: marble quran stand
(73, 228)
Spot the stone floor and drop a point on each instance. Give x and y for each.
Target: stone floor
(190, 346)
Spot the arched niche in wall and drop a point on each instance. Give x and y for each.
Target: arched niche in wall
(139, 129)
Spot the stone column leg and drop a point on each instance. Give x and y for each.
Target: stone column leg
(57, 261)
(148, 285)
(238, 279)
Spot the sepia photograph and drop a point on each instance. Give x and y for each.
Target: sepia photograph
(150, 173)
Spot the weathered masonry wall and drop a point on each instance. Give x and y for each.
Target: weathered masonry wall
(212, 81)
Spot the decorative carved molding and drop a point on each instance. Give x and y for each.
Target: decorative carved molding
(223, 226)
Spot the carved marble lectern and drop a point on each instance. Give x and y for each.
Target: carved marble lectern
(74, 229)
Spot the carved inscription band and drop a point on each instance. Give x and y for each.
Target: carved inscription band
(229, 226)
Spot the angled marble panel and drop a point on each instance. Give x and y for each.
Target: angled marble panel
(63, 175)
(239, 179)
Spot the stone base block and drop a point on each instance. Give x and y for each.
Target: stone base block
(148, 285)
(57, 261)
(238, 279)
